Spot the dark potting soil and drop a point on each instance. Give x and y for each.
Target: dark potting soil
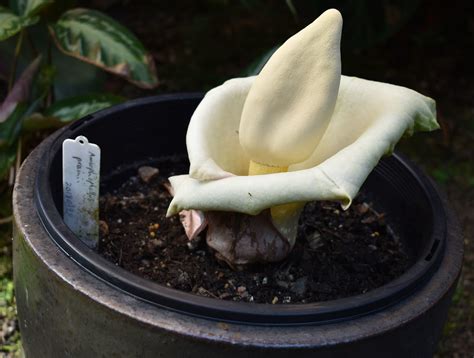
(337, 253)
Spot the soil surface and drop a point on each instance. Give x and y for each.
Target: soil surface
(337, 253)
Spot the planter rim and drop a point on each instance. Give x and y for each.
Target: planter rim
(233, 312)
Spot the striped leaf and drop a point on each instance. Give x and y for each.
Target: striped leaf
(97, 39)
(29, 8)
(11, 24)
(73, 108)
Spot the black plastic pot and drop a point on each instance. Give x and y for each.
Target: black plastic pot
(72, 302)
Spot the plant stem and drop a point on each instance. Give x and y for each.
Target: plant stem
(18, 156)
(50, 52)
(279, 212)
(15, 168)
(19, 43)
(32, 44)
(50, 95)
(6, 220)
(11, 176)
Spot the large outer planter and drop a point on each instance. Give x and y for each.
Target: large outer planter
(73, 303)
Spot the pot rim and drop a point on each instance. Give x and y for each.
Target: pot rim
(220, 310)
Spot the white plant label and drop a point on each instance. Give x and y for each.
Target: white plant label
(81, 173)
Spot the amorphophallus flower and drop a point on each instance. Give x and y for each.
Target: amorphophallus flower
(260, 147)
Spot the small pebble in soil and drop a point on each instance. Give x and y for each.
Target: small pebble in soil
(314, 240)
(147, 173)
(337, 253)
(103, 228)
(299, 286)
(241, 289)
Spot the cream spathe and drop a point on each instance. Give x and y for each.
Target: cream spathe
(368, 120)
(330, 132)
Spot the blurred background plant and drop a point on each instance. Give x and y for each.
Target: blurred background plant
(51, 57)
(60, 54)
(55, 54)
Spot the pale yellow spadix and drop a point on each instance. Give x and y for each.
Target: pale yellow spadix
(292, 100)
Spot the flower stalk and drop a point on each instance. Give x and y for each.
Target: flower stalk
(280, 212)
(16, 56)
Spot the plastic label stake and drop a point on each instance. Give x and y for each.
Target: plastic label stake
(81, 174)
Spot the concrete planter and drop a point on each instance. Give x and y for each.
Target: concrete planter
(73, 303)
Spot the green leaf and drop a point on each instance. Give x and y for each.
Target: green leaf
(96, 38)
(37, 122)
(71, 76)
(77, 107)
(9, 133)
(7, 159)
(74, 77)
(20, 91)
(70, 109)
(11, 127)
(10, 24)
(29, 8)
(6, 291)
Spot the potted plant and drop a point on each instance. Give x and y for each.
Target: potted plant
(302, 133)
